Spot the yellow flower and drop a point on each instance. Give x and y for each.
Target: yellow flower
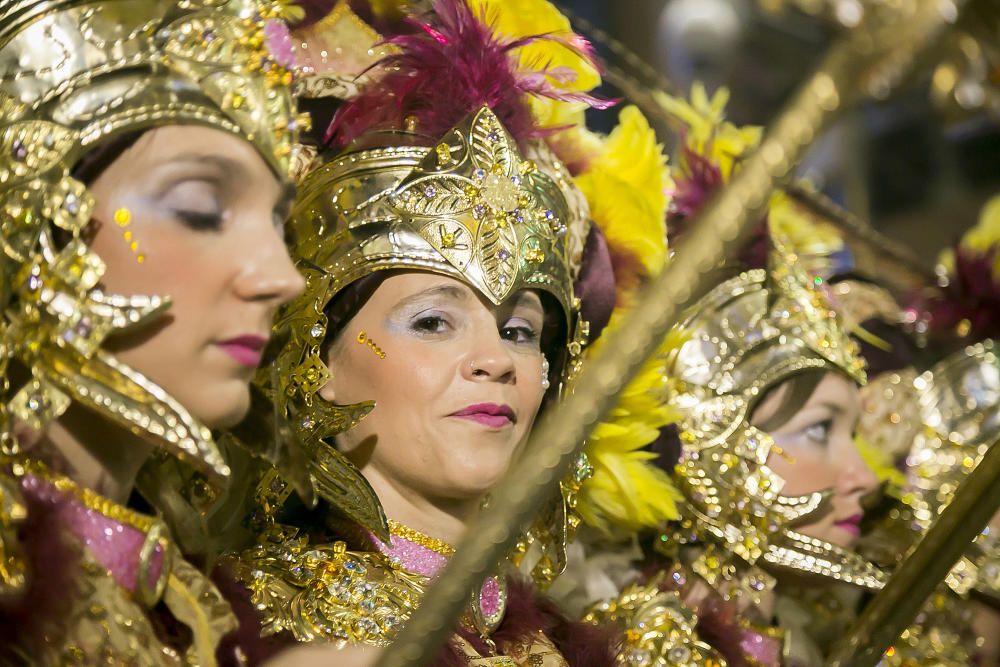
(626, 188)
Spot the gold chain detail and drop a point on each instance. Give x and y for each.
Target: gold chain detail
(424, 540)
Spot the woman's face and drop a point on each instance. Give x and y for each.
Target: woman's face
(818, 453)
(456, 392)
(205, 214)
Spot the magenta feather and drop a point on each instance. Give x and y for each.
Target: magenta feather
(693, 188)
(442, 72)
(972, 295)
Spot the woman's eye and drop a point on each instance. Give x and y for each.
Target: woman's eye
(197, 204)
(200, 221)
(519, 334)
(819, 432)
(430, 324)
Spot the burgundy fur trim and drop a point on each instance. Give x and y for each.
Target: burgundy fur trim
(256, 649)
(973, 294)
(596, 285)
(53, 558)
(528, 612)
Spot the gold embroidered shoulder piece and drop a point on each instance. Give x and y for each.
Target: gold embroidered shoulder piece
(658, 629)
(327, 592)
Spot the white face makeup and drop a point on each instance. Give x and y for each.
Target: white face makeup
(457, 386)
(205, 215)
(819, 453)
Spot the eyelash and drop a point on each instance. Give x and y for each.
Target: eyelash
(435, 324)
(826, 425)
(529, 334)
(200, 221)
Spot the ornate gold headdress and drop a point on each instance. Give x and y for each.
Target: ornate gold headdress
(470, 207)
(74, 75)
(746, 336)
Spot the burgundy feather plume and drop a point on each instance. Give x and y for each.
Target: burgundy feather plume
(972, 295)
(445, 71)
(700, 180)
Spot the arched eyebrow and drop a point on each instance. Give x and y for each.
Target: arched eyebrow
(452, 292)
(234, 171)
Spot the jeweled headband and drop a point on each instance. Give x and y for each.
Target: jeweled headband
(470, 207)
(76, 74)
(748, 335)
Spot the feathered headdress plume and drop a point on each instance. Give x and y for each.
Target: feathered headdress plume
(968, 307)
(626, 184)
(711, 150)
(446, 70)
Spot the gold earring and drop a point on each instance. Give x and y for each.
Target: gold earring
(123, 218)
(363, 339)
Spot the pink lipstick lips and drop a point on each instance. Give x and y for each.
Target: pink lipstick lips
(488, 414)
(246, 350)
(851, 524)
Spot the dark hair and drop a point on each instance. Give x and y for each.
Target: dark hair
(794, 393)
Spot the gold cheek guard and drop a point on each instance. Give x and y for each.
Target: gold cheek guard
(748, 335)
(72, 76)
(470, 207)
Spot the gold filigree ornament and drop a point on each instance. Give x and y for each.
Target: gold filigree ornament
(658, 629)
(74, 75)
(959, 400)
(470, 207)
(748, 335)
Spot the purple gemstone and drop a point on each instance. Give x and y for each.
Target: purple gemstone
(19, 150)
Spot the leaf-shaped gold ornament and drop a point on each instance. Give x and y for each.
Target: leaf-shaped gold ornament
(497, 250)
(442, 194)
(493, 150)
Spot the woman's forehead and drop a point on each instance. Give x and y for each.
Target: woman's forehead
(408, 286)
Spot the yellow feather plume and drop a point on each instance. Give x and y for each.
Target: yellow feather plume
(981, 239)
(515, 19)
(626, 187)
(627, 492)
(706, 131)
(626, 184)
(880, 461)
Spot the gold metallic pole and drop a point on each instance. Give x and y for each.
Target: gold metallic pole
(895, 606)
(846, 71)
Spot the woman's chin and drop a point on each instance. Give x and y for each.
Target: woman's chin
(224, 407)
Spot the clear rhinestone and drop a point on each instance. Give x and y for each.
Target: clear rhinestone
(316, 331)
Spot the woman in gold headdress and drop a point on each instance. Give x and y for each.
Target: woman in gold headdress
(143, 180)
(440, 246)
(771, 484)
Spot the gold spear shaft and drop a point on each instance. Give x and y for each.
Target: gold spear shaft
(533, 479)
(893, 609)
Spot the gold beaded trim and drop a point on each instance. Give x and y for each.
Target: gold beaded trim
(424, 540)
(91, 499)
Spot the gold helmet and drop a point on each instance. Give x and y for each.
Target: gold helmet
(748, 335)
(471, 206)
(74, 75)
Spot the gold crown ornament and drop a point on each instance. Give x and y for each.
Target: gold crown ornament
(76, 74)
(470, 207)
(746, 336)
